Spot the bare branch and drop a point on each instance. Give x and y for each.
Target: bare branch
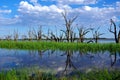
(73, 19)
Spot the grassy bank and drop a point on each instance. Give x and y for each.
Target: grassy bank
(37, 45)
(38, 75)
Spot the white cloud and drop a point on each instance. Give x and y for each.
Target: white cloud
(29, 13)
(77, 1)
(25, 7)
(87, 8)
(37, 13)
(34, 1)
(8, 21)
(5, 11)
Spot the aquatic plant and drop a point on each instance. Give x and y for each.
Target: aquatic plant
(43, 45)
(27, 74)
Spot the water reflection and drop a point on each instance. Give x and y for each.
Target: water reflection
(59, 61)
(69, 63)
(115, 57)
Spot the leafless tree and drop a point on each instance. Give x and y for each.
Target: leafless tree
(37, 34)
(114, 31)
(47, 37)
(8, 37)
(16, 35)
(82, 32)
(61, 37)
(24, 37)
(73, 36)
(30, 35)
(34, 34)
(96, 34)
(68, 25)
(54, 37)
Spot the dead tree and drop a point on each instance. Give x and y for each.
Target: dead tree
(47, 37)
(8, 37)
(96, 34)
(37, 34)
(68, 25)
(16, 35)
(114, 31)
(61, 37)
(30, 35)
(54, 37)
(72, 35)
(24, 37)
(82, 33)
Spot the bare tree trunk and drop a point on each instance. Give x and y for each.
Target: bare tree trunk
(82, 33)
(8, 37)
(16, 35)
(39, 33)
(30, 35)
(119, 37)
(24, 37)
(96, 34)
(114, 31)
(68, 24)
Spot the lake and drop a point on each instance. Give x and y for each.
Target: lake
(59, 61)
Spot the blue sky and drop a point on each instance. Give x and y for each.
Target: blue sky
(22, 15)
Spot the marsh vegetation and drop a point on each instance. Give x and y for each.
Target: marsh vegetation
(68, 55)
(58, 64)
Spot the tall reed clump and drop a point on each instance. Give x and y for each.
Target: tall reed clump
(41, 45)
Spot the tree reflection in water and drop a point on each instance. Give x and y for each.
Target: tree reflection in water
(69, 63)
(114, 58)
(71, 58)
(45, 52)
(40, 53)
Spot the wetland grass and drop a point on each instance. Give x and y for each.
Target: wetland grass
(38, 45)
(38, 75)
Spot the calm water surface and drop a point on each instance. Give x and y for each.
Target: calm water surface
(58, 60)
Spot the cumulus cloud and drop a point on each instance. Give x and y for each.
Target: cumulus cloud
(26, 7)
(38, 13)
(29, 13)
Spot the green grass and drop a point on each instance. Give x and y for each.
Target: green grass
(37, 45)
(27, 74)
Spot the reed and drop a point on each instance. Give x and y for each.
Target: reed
(27, 74)
(38, 45)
